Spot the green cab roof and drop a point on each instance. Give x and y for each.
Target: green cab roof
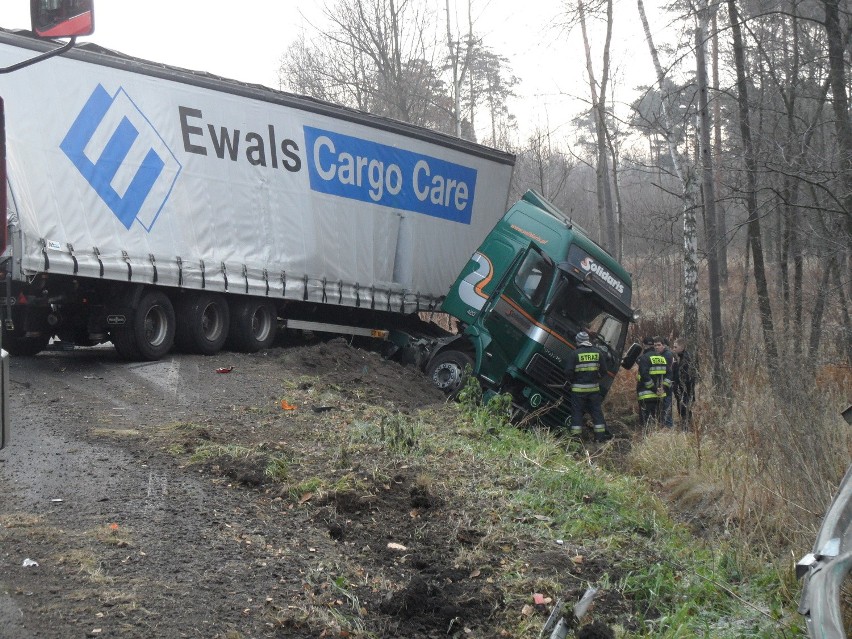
(534, 204)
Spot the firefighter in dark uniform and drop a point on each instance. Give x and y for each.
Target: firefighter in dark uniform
(661, 346)
(684, 374)
(650, 390)
(584, 373)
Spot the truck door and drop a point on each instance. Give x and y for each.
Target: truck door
(510, 319)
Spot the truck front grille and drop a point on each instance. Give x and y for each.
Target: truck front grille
(546, 373)
(550, 379)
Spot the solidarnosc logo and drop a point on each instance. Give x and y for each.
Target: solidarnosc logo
(588, 264)
(120, 154)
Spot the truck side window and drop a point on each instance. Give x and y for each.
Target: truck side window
(533, 278)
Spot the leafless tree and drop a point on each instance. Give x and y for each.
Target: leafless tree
(750, 196)
(375, 55)
(598, 89)
(543, 166)
(703, 13)
(385, 57)
(459, 54)
(689, 194)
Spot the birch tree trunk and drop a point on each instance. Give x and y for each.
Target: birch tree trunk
(689, 196)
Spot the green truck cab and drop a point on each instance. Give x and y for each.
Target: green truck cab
(536, 281)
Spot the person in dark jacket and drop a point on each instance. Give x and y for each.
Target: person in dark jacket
(661, 346)
(650, 391)
(684, 373)
(584, 373)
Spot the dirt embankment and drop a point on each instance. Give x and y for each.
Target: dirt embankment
(169, 499)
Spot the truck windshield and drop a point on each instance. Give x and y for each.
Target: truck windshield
(575, 307)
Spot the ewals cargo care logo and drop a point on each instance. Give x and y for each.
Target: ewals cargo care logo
(120, 154)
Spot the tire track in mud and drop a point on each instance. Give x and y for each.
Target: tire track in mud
(174, 522)
(195, 552)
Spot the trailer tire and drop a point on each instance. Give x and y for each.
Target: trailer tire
(203, 325)
(447, 370)
(24, 346)
(31, 333)
(150, 333)
(253, 325)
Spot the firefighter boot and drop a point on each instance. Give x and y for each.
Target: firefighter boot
(602, 434)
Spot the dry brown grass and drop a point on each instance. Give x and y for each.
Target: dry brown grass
(777, 450)
(767, 468)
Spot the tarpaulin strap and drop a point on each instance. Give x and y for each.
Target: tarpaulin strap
(357, 295)
(417, 302)
(73, 257)
(340, 292)
(44, 252)
(266, 281)
(180, 270)
(402, 302)
(373, 297)
(245, 276)
(225, 275)
(305, 290)
(98, 257)
(283, 283)
(203, 275)
(153, 265)
(126, 259)
(389, 298)
(324, 296)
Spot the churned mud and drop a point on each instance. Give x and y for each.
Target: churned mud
(236, 496)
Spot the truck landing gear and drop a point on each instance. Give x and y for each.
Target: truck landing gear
(447, 370)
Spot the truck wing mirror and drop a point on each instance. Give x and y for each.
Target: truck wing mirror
(631, 356)
(62, 18)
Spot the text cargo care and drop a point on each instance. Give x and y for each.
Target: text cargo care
(367, 171)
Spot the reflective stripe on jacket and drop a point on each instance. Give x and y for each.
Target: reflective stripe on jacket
(583, 369)
(653, 370)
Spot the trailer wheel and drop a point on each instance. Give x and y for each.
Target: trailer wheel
(253, 325)
(203, 325)
(31, 334)
(447, 370)
(150, 333)
(24, 346)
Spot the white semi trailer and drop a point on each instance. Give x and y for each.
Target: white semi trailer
(150, 206)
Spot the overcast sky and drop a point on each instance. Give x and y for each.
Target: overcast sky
(248, 44)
